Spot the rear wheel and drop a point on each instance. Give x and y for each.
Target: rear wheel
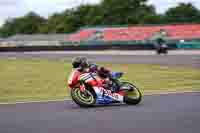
(86, 99)
(132, 94)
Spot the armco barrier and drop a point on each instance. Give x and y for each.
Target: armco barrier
(82, 47)
(189, 45)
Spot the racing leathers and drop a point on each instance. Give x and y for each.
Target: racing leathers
(102, 72)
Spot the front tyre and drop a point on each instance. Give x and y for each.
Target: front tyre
(86, 99)
(133, 95)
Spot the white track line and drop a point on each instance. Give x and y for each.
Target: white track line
(42, 101)
(68, 99)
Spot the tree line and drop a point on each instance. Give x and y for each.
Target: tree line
(107, 12)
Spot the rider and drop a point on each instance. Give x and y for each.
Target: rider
(81, 66)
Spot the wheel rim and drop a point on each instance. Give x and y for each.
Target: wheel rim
(134, 93)
(87, 99)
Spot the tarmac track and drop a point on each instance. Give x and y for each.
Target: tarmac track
(188, 60)
(174, 113)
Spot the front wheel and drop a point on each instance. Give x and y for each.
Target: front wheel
(132, 94)
(86, 99)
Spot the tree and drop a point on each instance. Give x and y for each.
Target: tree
(30, 23)
(148, 15)
(53, 21)
(61, 22)
(87, 15)
(107, 12)
(8, 28)
(125, 12)
(27, 24)
(184, 12)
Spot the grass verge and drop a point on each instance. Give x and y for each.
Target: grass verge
(40, 79)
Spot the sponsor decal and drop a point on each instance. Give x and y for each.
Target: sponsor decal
(109, 93)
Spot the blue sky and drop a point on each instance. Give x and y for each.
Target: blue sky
(15, 8)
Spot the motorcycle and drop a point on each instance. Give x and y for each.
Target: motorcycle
(90, 93)
(162, 49)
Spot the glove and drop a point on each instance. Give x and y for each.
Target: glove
(93, 68)
(103, 72)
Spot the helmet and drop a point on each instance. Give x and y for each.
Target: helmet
(80, 62)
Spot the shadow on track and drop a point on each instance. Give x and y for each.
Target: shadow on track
(104, 107)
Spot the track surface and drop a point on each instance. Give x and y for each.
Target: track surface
(148, 57)
(174, 113)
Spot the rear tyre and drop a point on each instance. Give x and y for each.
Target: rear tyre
(86, 99)
(132, 96)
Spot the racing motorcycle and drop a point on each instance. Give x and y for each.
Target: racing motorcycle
(90, 92)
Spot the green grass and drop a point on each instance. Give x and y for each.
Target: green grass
(37, 79)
